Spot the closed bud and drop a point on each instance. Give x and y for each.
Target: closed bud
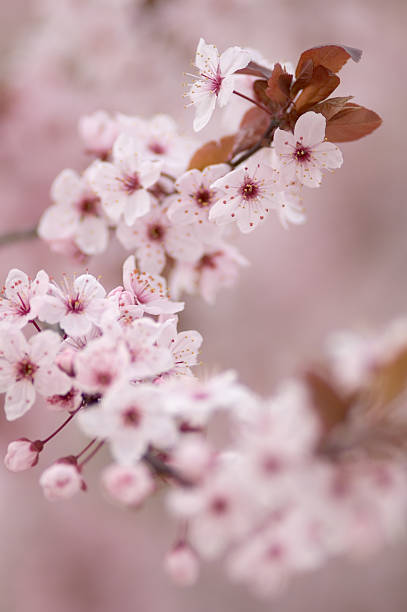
(181, 564)
(61, 480)
(22, 455)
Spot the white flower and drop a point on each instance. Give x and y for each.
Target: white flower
(216, 81)
(304, 154)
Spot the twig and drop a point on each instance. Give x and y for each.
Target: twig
(18, 236)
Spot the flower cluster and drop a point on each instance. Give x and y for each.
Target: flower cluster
(309, 473)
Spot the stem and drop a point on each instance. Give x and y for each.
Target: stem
(263, 108)
(168, 176)
(162, 469)
(270, 130)
(92, 454)
(18, 236)
(86, 448)
(64, 424)
(37, 327)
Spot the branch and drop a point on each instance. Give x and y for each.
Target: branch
(18, 236)
(162, 469)
(261, 143)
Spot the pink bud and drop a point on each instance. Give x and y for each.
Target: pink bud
(192, 457)
(181, 564)
(22, 454)
(61, 480)
(65, 360)
(128, 484)
(99, 132)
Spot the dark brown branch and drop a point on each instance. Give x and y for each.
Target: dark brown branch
(18, 236)
(162, 469)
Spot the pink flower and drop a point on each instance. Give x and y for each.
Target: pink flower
(196, 195)
(22, 454)
(76, 308)
(184, 347)
(153, 237)
(18, 304)
(147, 292)
(76, 215)
(129, 485)
(101, 364)
(249, 193)
(68, 401)
(158, 139)
(304, 154)
(27, 368)
(61, 480)
(181, 564)
(131, 418)
(217, 268)
(122, 185)
(98, 131)
(215, 82)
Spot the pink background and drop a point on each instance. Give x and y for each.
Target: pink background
(344, 268)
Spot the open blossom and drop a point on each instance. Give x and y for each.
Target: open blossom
(184, 347)
(27, 367)
(195, 195)
(145, 292)
(304, 154)
(75, 215)
(17, 305)
(217, 268)
(132, 418)
(249, 194)
(101, 364)
(76, 308)
(154, 236)
(216, 81)
(61, 481)
(122, 185)
(158, 139)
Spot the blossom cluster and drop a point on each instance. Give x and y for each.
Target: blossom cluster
(313, 471)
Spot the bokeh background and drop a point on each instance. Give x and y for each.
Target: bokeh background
(345, 268)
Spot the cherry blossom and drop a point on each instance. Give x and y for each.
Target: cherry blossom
(61, 481)
(215, 82)
(17, 303)
(132, 418)
(158, 139)
(27, 367)
(76, 307)
(153, 236)
(217, 268)
(304, 154)
(181, 564)
(75, 215)
(195, 195)
(129, 485)
(249, 194)
(101, 364)
(98, 132)
(122, 185)
(184, 347)
(22, 455)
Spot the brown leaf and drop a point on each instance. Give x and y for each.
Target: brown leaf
(332, 106)
(332, 57)
(351, 123)
(391, 380)
(252, 127)
(213, 152)
(331, 407)
(303, 78)
(278, 90)
(255, 69)
(259, 88)
(322, 83)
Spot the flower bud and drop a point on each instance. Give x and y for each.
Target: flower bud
(128, 484)
(65, 360)
(61, 480)
(181, 564)
(22, 454)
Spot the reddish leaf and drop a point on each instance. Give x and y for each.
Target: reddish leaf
(259, 88)
(351, 123)
(332, 106)
(252, 127)
(213, 152)
(278, 89)
(303, 78)
(391, 379)
(323, 82)
(255, 69)
(331, 407)
(332, 57)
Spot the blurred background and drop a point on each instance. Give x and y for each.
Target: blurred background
(345, 268)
